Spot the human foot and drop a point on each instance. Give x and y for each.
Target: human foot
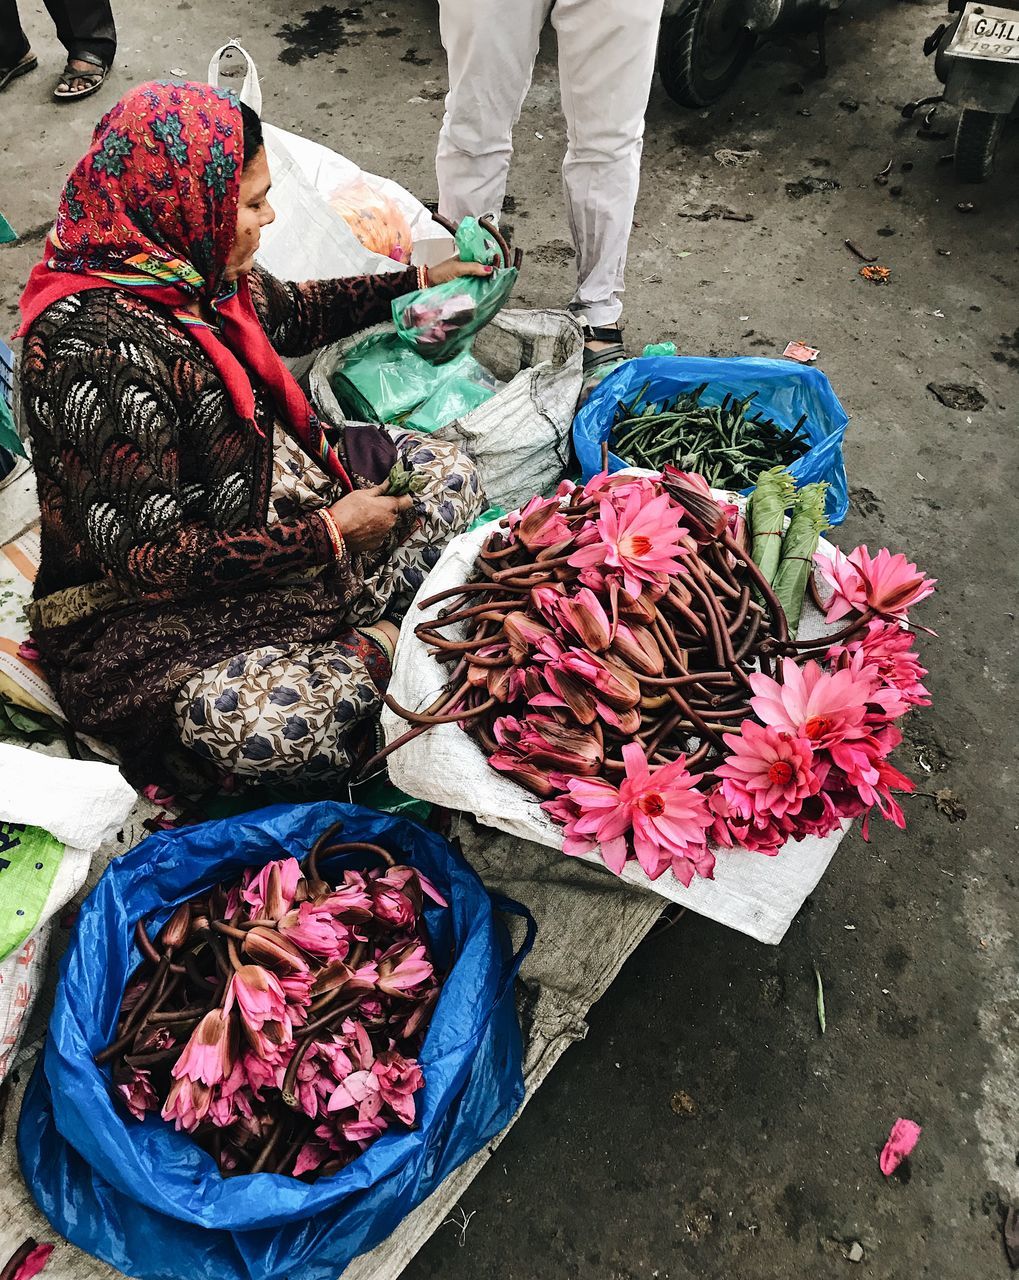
(81, 77)
(21, 68)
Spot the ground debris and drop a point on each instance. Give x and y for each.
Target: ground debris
(681, 1104)
(716, 211)
(876, 274)
(811, 186)
(957, 395)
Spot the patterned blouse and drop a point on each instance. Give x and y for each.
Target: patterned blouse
(159, 555)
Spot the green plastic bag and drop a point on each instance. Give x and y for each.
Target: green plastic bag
(382, 380)
(440, 322)
(29, 861)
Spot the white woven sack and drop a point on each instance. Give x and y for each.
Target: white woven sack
(309, 240)
(520, 438)
(81, 803)
(753, 893)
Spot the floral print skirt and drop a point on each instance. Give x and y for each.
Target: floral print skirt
(312, 712)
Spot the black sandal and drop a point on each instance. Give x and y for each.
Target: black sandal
(93, 80)
(611, 354)
(22, 68)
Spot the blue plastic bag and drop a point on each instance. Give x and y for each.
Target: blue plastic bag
(786, 391)
(152, 1203)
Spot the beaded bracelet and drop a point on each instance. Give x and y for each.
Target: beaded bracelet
(423, 281)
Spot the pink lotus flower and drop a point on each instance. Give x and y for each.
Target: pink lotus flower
(641, 538)
(732, 829)
(813, 704)
(886, 584)
(768, 772)
(208, 1056)
(187, 1104)
(313, 928)
(403, 968)
(297, 989)
(270, 891)
(138, 1093)
(594, 819)
(262, 1005)
(540, 524)
(399, 1078)
(887, 648)
(669, 816)
(350, 901)
(901, 1142)
(392, 906)
(661, 810)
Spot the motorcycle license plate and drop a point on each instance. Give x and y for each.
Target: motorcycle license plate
(986, 32)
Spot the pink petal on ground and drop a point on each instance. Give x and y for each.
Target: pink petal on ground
(900, 1144)
(33, 1263)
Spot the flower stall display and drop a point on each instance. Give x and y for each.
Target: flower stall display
(618, 652)
(278, 1017)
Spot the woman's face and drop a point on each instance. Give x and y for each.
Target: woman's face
(253, 213)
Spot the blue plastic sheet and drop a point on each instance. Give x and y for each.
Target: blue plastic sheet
(147, 1199)
(786, 391)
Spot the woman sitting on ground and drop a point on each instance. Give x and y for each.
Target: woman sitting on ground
(221, 572)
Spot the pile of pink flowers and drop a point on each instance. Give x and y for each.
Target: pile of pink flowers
(286, 1039)
(624, 593)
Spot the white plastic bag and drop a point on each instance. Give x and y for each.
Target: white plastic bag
(309, 239)
(81, 804)
(520, 438)
(754, 894)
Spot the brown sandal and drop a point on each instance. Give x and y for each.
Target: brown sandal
(93, 80)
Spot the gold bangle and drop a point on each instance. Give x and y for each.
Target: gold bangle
(335, 534)
(423, 278)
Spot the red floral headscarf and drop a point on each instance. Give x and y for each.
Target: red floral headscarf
(152, 208)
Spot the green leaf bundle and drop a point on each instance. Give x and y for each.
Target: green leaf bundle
(798, 546)
(768, 503)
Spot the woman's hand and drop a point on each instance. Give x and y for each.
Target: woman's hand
(366, 517)
(452, 268)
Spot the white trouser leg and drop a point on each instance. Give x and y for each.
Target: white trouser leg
(606, 61)
(490, 46)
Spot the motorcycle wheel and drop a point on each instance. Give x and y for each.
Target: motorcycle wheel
(976, 142)
(702, 50)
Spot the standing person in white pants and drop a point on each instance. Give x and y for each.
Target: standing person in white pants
(606, 61)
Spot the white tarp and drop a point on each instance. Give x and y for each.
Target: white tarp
(755, 894)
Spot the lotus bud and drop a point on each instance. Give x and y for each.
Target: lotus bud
(499, 683)
(637, 608)
(546, 741)
(584, 616)
(545, 600)
(541, 524)
(178, 928)
(572, 689)
(524, 634)
(614, 683)
(637, 647)
(266, 946)
(625, 722)
(704, 513)
(528, 775)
